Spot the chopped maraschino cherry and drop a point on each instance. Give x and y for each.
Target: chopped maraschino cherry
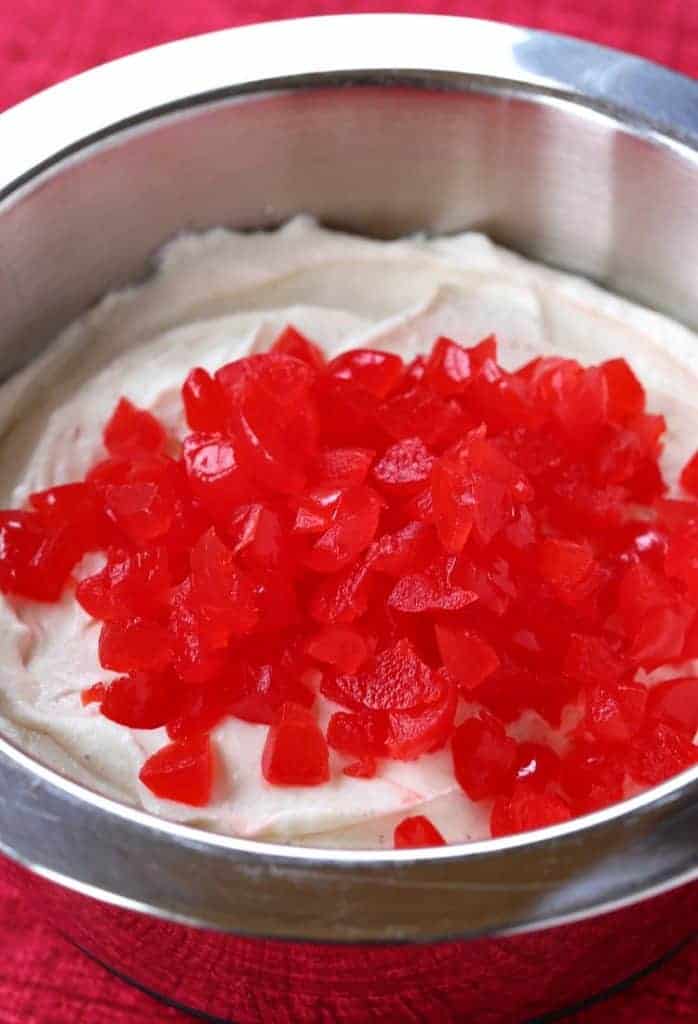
(423, 729)
(466, 656)
(413, 833)
(675, 702)
(295, 753)
(35, 560)
(446, 551)
(405, 467)
(292, 343)
(141, 700)
(373, 371)
(361, 734)
(525, 810)
(689, 476)
(484, 757)
(204, 402)
(396, 679)
(181, 771)
(341, 646)
(362, 769)
(132, 430)
(134, 645)
(215, 476)
(343, 467)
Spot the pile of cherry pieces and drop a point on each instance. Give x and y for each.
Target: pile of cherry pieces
(439, 547)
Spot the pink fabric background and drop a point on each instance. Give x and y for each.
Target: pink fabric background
(43, 980)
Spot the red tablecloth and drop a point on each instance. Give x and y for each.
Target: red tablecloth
(42, 979)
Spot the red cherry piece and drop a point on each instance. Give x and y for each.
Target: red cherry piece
(565, 563)
(416, 832)
(620, 458)
(263, 686)
(417, 412)
(650, 430)
(405, 468)
(198, 651)
(276, 600)
(466, 656)
(141, 510)
(421, 730)
(361, 734)
(59, 506)
(134, 645)
(484, 757)
(452, 507)
(72, 506)
(408, 549)
(292, 343)
(590, 660)
(257, 536)
(223, 594)
(362, 769)
(343, 467)
(615, 714)
(525, 811)
(131, 431)
(689, 476)
(431, 591)
(342, 597)
(315, 508)
(484, 352)
(373, 371)
(141, 700)
(274, 441)
(199, 709)
(295, 752)
(592, 776)
(546, 693)
(347, 415)
(342, 647)
(277, 374)
(661, 636)
(491, 583)
(653, 615)
(214, 472)
(34, 562)
(580, 402)
(353, 527)
(204, 402)
(626, 395)
(448, 370)
(129, 586)
(640, 591)
(658, 752)
(181, 771)
(675, 702)
(681, 559)
(474, 485)
(414, 372)
(396, 679)
(570, 568)
(93, 694)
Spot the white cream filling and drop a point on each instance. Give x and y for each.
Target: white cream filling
(215, 298)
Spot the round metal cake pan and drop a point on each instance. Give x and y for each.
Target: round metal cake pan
(576, 155)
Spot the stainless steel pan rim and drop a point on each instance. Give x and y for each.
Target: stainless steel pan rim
(301, 52)
(127, 857)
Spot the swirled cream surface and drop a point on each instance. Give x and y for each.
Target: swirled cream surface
(222, 295)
